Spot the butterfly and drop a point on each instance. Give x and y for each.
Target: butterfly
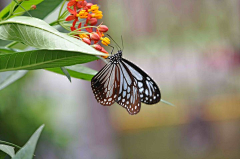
(123, 82)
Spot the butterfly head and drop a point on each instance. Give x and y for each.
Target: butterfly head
(116, 57)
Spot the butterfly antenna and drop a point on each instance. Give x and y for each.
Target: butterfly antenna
(114, 41)
(122, 43)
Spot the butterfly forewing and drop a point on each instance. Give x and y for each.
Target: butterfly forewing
(123, 82)
(128, 96)
(148, 90)
(105, 84)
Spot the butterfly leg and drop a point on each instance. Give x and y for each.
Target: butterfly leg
(112, 49)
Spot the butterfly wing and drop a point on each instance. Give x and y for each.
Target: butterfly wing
(148, 89)
(105, 84)
(128, 96)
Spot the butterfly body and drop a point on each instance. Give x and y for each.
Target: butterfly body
(123, 82)
(115, 58)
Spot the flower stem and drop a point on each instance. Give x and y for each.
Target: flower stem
(18, 13)
(78, 32)
(22, 8)
(11, 10)
(54, 23)
(65, 13)
(59, 14)
(12, 44)
(64, 26)
(85, 27)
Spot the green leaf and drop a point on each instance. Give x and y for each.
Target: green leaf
(17, 9)
(7, 78)
(39, 59)
(4, 42)
(26, 152)
(7, 149)
(2, 155)
(37, 33)
(77, 71)
(9, 144)
(44, 8)
(6, 50)
(65, 72)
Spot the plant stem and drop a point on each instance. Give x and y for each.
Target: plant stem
(18, 13)
(78, 32)
(54, 23)
(12, 44)
(22, 7)
(61, 9)
(11, 10)
(65, 13)
(64, 26)
(86, 27)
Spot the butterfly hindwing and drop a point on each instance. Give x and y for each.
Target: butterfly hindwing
(148, 90)
(128, 96)
(123, 82)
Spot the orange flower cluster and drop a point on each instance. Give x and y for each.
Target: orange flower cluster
(89, 15)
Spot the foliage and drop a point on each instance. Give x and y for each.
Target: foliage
(42, 47)
(26, 152)
(52, 48)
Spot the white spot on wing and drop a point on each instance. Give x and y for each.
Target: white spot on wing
(146, 92)
(124, 94)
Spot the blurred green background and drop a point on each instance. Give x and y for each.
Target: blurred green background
(190, 48)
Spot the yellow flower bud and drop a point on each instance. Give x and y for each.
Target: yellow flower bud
(105, 41)
(98, 15)
(83, 14)
(83, 36)
(94, 8)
